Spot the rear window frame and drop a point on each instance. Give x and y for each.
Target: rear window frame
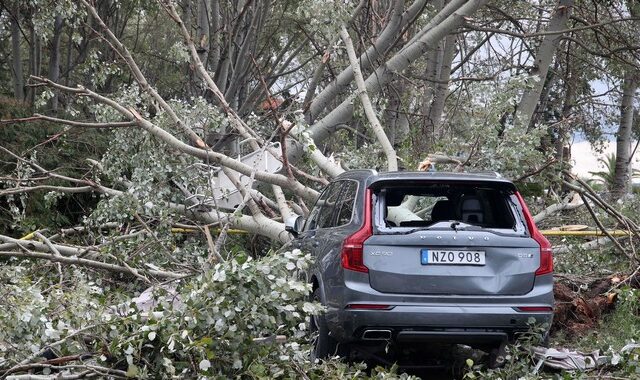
(507, 189)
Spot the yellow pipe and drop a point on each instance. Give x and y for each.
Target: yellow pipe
(28, 236)
(584, 233)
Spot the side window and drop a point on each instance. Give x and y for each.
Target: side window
(346, 203)
(327, 216)
(319, 213)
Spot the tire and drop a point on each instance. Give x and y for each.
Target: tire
(323, 345)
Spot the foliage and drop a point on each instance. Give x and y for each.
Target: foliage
(519, 361)
(141, 186)
(607, 176)
(199, 326)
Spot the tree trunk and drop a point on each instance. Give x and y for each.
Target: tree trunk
(18, 79)
(247, 43)
(432, 72)
(434, 117)
(35, 62)
(322, 129)
(396, 120)
(543, 59)
(384, 41)
(215, 33)
(67, 63)
(622, 176)
(202, 41)
(54, 61)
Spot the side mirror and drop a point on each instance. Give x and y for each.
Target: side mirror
(294, 225)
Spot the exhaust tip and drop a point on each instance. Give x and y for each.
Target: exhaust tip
(376, 335)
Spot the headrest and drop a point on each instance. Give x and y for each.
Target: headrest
(394, 198)
(442, 210)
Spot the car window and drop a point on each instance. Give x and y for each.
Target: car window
(422, 206)
(346, 202)
(327, 216)
(320, 215)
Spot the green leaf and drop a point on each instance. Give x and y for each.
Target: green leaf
(132, 370)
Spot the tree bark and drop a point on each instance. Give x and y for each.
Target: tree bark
(202, 41)
(436, 110)
(35, 54)
(543, 59)
(395, 116)
(54, 61)
(622, 176)
(18, 79)
(431, 73)
(215, 33)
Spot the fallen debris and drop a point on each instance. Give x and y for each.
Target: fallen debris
(566, 359)
(580, 303)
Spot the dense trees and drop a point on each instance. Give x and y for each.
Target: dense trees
(152, 118)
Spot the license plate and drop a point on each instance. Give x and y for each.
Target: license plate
(451, 257)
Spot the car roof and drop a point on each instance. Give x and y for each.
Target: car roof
(371, 177)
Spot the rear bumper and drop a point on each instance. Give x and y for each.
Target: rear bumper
(431, 323)
(450, 318)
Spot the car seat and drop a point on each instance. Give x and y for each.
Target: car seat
(471, 210)
(442, 210)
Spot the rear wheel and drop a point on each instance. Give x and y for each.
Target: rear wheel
(323, 345)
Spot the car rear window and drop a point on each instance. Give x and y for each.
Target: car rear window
(427, 204)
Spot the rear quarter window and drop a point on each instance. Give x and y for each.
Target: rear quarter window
(334, 207)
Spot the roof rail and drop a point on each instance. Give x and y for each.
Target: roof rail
(364, 171)
(488, 173)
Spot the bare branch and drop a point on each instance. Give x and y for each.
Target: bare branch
(137, 73)
(567, 204)
(392, 159)
(602, 228)
(62, 189)
(172, 141)
(37, 117)
(89, 263)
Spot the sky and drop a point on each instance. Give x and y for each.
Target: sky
(585, 159)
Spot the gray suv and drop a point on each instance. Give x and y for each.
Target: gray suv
(415, 257)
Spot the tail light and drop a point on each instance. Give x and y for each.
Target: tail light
(352, 248)
(535, 309)
(546, 256)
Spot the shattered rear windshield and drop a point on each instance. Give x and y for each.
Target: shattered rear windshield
(428, 204)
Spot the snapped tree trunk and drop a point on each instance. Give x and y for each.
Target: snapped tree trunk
(385, 40)
(544, 57)
(18, 79)
(622, 177)
(343, 113)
